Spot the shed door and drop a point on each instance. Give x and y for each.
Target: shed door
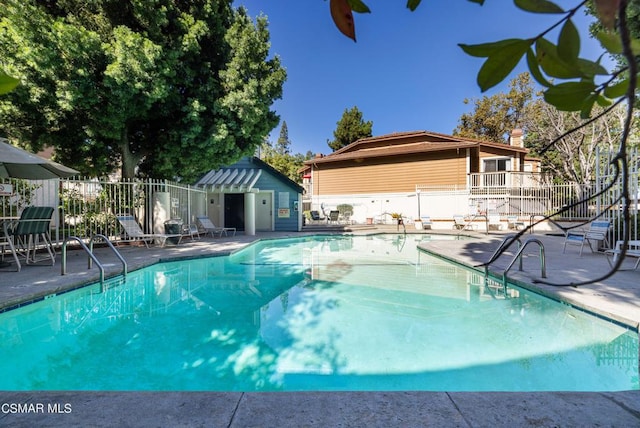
(234, 210)
(264, 211)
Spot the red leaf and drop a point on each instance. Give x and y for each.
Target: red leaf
(607, 11)
(343, 18)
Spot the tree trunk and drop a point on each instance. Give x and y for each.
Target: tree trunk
(129, 159)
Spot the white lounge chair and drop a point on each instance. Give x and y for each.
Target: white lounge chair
(191, 230)
(207, 225)
(514, 223)
(494, 221)
(426, 222)
(460, 223)
(134, 233)
(597, 232)
(633, 250)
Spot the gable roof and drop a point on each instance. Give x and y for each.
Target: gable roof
(239, 178)
(403, 143)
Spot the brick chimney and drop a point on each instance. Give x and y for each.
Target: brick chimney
(516, 138)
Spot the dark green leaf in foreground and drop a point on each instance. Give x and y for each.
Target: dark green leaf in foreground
(570, 96)
(498, 66)
(617, 90)
(603, 101)
(485, 50)
(413, 4)
(7, 83)
(538, 6)
(358, 6)
(534, 69)
(590, 69)
(569, 42)
(611, 41)
(552, 64)
(587, 106)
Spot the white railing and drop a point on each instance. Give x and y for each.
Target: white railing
(610, 204)
(86, 207)
(507, 179)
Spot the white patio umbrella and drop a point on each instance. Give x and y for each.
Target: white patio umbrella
(18, 163)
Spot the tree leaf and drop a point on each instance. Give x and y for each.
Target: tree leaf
(413, 4)
(569, 42)
(587, 106)
(7, 83)
(552, 64)
(569, 96)
(358, 6)
(485, 50)
(534, 69)
(607, 11)
(603, 101)
(590, 68)
(617, 90)
(498, 66)
(610, 41)
(538, 6)
(343, 17)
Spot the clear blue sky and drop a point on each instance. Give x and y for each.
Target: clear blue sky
(406, 71)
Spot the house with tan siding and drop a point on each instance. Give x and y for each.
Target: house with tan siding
(393, 173)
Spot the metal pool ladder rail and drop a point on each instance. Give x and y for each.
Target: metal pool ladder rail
(543, 266)
(92, 256)
(507, 240)
(518, 256)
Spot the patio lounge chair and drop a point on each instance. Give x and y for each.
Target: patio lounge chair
(25, 235)
(459, 223)
(134, 233)
(207, 225)
(633, 250)
(426, 222)
(514, 223)
(334, 216)
(494, 221)
(597, 232)
(315, 216)
(191, 230)
(345, 218)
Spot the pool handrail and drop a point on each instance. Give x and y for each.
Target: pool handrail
(543, 265)
(92, 256)
(506, 241)
(63, 269)
(110, 245)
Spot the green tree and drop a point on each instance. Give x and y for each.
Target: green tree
(279, 156)
(573, 157)
(165, 89)
(283, 144)
(494, 117)
(351, 127)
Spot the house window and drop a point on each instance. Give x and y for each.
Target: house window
(495, 165)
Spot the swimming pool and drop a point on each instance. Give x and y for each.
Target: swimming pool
(315, 313)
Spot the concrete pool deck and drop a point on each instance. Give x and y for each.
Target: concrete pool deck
(617, 297)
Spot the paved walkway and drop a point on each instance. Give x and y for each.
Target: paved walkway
(617, 297)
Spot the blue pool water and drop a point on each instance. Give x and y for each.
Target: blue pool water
(322, 313)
